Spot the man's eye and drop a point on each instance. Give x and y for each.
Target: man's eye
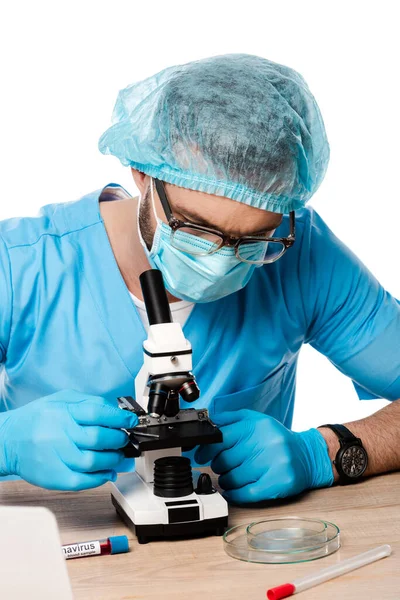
(202, 234)
(188, 232)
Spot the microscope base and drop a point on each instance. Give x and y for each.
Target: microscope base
(154, 517)
(148, 533)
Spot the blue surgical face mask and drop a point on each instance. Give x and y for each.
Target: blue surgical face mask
(197, 278)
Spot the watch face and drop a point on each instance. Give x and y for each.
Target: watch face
(354, 461)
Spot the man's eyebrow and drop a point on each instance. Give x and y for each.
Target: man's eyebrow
(196, 219)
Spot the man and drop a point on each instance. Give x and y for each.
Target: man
(225, 152)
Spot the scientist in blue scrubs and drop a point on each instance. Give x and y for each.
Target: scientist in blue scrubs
(225, 152)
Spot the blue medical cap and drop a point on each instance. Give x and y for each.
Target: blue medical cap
(235, 125)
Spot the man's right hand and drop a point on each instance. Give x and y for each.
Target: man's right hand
(66, 441)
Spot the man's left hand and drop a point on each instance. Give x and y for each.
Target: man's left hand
(260, 459)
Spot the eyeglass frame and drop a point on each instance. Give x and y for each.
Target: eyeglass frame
(227, 240)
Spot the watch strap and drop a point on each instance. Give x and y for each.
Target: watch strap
(343, 433)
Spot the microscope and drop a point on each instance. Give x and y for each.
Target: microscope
(164, 497)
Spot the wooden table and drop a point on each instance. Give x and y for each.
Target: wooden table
(368, 515)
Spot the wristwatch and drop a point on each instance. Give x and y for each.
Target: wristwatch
(351, 459)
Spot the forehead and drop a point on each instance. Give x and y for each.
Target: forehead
(229, 214)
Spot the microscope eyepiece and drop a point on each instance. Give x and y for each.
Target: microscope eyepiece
(155, 297)
(189, 391)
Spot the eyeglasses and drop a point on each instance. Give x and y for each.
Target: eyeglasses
(253, 249)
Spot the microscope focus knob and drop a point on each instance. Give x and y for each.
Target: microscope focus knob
(204, 485)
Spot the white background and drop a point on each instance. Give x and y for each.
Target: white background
(62, 64)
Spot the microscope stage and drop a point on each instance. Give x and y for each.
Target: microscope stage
(176, 434)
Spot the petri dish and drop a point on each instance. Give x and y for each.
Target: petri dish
(282, 540)
(287, 533)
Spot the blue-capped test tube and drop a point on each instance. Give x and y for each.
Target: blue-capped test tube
(111, 545)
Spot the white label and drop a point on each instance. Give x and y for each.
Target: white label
(84, 549)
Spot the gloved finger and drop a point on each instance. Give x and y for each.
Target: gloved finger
(252, 492)
(68, 480)
(85, 481)
(88, 461)
(237, 477)
(230, 417)
(230, 459)
(69, 396)
(281, 482)
(248, 447)
(98, 411)
(273, 484)
(231, 436)
(99, 438)
(126, 466)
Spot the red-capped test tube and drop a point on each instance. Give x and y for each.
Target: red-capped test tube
(113, 545)
(340, 568)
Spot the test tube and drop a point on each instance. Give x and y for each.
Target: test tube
(111, 545)
(345, 566)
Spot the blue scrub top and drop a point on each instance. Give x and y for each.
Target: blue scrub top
(67, 320)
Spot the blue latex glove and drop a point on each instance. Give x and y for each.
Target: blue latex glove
(66, 441)
(260, 459)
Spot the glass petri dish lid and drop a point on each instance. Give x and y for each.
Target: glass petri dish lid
(287, 534)
(282, 540)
